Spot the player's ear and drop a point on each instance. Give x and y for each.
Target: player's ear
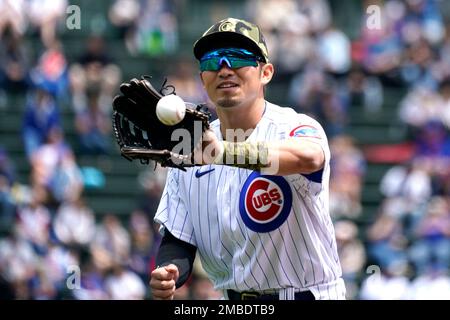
(267, 71)
(201, 78)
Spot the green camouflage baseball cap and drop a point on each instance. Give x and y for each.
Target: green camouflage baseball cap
(235, 33)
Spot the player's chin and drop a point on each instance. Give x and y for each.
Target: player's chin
(228, 102)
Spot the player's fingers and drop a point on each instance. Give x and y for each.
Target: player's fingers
(163, 294)
(163, 273)
(162, 285)
(173, 271)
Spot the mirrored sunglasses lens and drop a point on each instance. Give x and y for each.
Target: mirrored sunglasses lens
(209, 64)
(215, 63)
(239, 63)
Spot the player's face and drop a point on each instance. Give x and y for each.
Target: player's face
(230, 87)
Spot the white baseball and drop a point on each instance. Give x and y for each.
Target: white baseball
(170, 109)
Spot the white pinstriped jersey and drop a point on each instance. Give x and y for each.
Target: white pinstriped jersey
(258, 232)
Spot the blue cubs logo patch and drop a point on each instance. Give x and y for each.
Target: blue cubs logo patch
(265, 202)
(305, 131)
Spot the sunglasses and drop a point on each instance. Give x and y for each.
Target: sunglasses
(233, 58)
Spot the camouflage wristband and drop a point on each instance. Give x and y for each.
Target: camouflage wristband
(247, 155)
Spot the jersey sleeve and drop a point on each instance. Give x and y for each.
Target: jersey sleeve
(172, 213)
(305, 127)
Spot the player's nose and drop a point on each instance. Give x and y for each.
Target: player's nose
(225, 69)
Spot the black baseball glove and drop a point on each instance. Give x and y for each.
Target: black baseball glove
(142, 136)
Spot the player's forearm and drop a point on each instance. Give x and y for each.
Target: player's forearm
(278, 158)
(180, 253)
(293, 156)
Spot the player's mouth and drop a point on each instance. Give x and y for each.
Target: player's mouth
(227, 85)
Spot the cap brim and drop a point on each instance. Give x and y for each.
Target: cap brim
(223, 39)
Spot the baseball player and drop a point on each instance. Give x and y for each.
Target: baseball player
(256, 211)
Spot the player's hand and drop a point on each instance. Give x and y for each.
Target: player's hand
(163, 281)
(208, 149)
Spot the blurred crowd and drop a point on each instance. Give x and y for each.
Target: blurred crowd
(330, 77)
(50, 234)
